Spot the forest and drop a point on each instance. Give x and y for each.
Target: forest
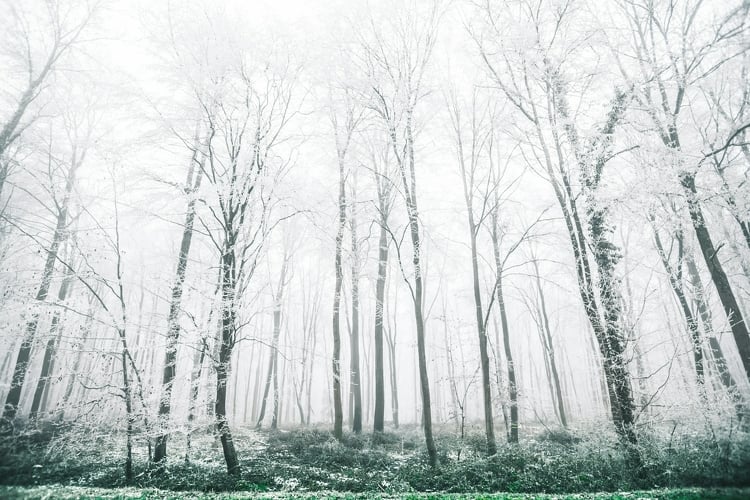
(375, 248)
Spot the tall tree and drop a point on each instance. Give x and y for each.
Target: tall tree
(61, 200)
(534, 85)
(355, 384)
(671, 59)
(343, 129)
(470, 146)
(383, 186)
(192, 185)
(245, 116)
(396, 68)
(39, 49)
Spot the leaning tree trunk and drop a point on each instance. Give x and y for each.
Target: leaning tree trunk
(173, 319)
(79, 348)
(13, 397)
(549, 349)
(591, 160)
(715, 268)
(675, 281)
(717, 354)
(50, 350)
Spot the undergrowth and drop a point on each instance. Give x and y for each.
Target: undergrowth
(552, 461)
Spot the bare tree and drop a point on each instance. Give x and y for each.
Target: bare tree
(671, 59)
(396, 69)
(245, 119)
(192, 185)
(39, 50)
(471, 146)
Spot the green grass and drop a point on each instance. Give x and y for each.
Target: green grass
(78, 492)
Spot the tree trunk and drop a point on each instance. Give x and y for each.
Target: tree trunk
(549, 349)
(173, 319)
(354, 365)
(195, 378)
(50, 350)
(275, 346)
(338, 414)
(715, 268)
(24, 353)
(228, 325)
(482, 334)
(717, 354)
(378, 424)
(675, 281)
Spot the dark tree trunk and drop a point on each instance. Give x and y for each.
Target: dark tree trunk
(173, 319)
(715, 268)
(127, 391)
(24, 353)
(421, 345)
(512, 386)
(484, 358)
(228, 325)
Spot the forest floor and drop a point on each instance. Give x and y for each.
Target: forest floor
(87, 462)
(80, 493)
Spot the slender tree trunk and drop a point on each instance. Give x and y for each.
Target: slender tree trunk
(717, 354)
(482, 334)
(393, 379)
(512, 387)
(267, 385)
(378, 424)
(338, 414)
(79, 348)
(354, 367)
(228, 325)
(127, 391)
(675, 281)
(195, 378)
(410, 187)
(173, 319)
(550, 349)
